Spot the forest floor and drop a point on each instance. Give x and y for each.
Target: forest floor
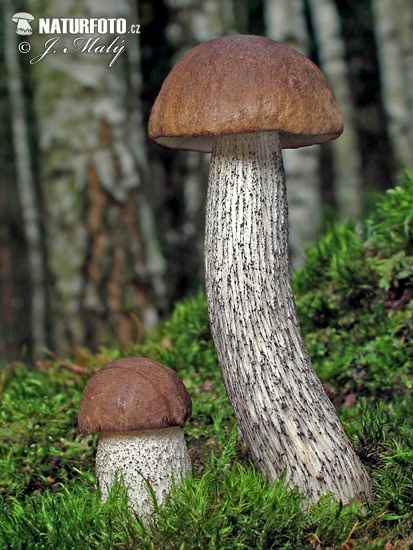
(354, 300)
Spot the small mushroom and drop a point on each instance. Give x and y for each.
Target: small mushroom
(23, 26)
(138, 408)
(244, 98)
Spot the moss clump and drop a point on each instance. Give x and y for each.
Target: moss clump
(354, 301)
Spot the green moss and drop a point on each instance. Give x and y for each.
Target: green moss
(354, 303)
(355, 306)
(39, 442)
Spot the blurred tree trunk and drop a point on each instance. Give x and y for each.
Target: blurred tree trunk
(6, 279)
(286, 23)
(406, 25)
(190, 23)
(394, 32)
(6, 275)
(103, 255)
(377, 160)
(26, 187)
(346, 155)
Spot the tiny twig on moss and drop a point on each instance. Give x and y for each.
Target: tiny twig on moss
(76, 369)
(345, 544)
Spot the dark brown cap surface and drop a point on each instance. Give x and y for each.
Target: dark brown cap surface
(133, 393)
(243, 84)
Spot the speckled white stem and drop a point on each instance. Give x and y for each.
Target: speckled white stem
(284, 415)
(158, 456)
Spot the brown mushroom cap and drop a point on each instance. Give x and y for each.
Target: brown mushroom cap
(133, 393)
(243, 84)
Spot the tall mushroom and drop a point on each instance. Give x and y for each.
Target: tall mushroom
(244, 98)
(138, 407)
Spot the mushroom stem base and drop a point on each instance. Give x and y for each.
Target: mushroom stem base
(285, 417)
(159, 457)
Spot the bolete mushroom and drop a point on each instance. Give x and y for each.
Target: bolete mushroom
(138, 407)
(23, 26)
(244, 98)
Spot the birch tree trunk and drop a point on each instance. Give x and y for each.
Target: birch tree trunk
(394, 24)
(6, 278)
(346, 156)
(103, 253)
(406, 41)
(26, 188)
(285, 22)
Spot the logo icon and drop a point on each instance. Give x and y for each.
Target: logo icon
(23, 23)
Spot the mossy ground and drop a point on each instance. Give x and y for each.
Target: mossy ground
(354, 299)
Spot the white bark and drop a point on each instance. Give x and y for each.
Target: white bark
(285, 417)
(406, 41)
(26, 187)
(285, 22)
(157, 457)
(346, 155)
(195, 22)
(103, 250)
(395, 45)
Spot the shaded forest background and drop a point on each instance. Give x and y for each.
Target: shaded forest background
(101, 232)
